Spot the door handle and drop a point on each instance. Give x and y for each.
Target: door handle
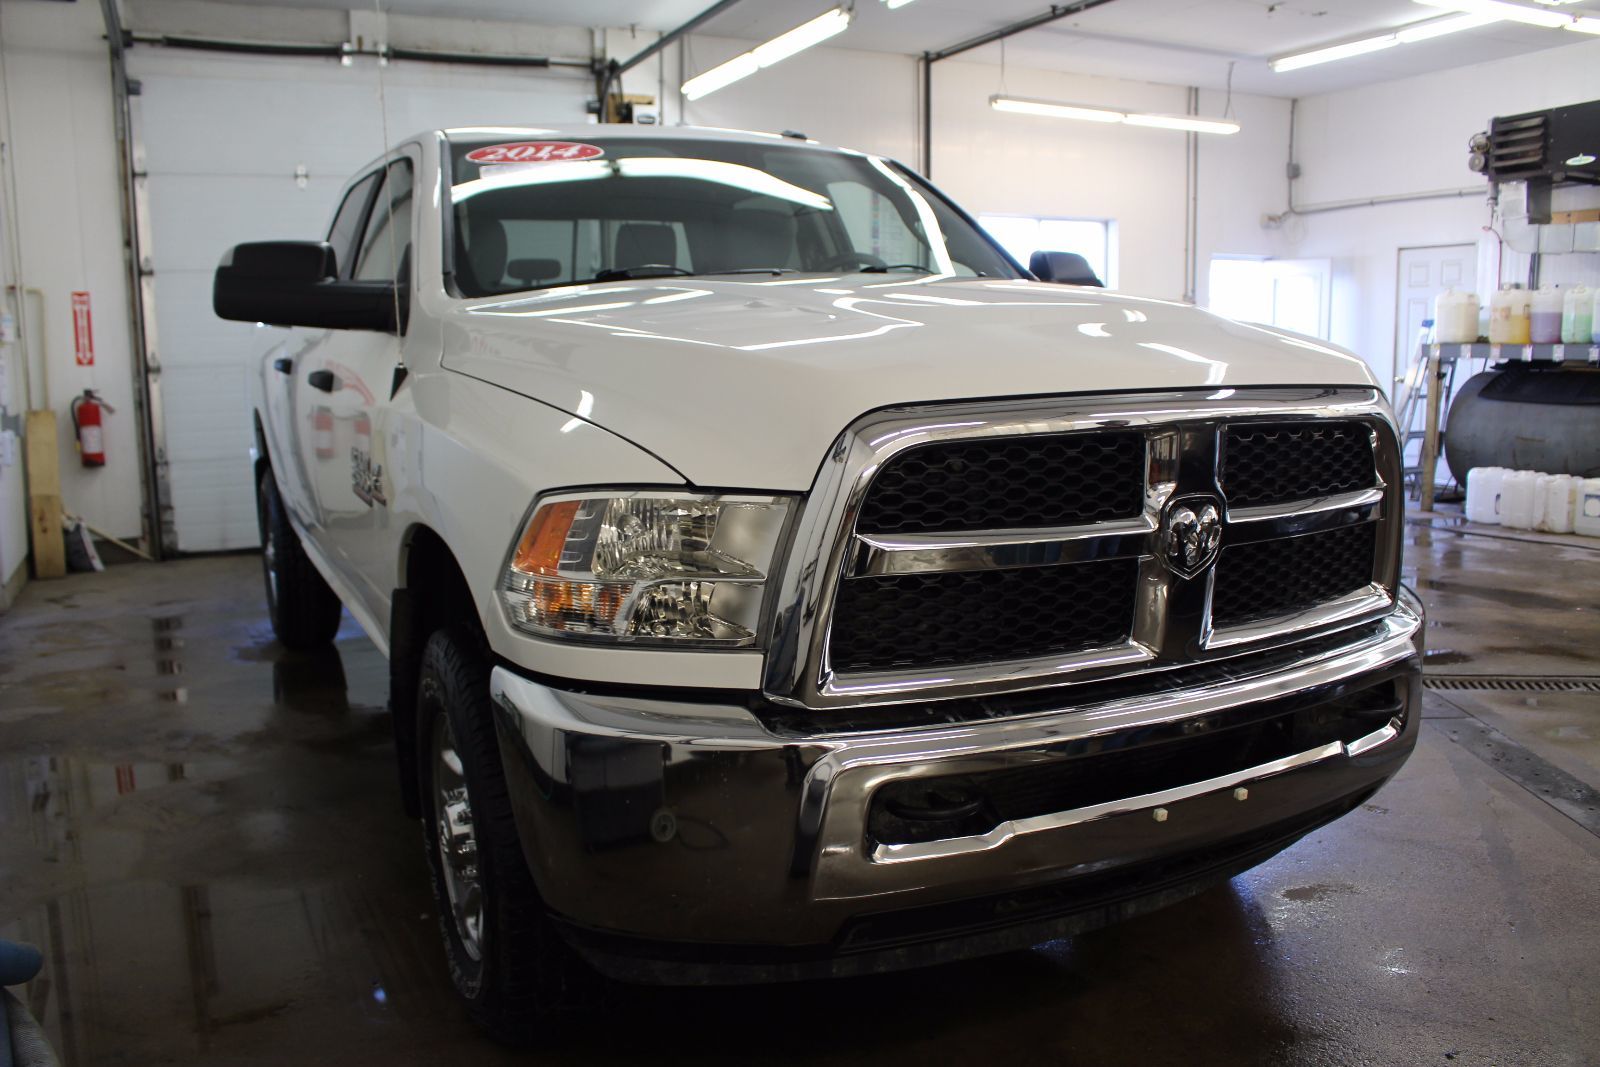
(283, 365)
(322, 379)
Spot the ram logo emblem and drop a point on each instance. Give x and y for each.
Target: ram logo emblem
(1191, 535)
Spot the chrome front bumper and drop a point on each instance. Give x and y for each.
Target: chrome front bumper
(654, 824)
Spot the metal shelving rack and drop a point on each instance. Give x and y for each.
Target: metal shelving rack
(1432, 387)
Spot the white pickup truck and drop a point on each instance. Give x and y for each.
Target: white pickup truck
(779, 581)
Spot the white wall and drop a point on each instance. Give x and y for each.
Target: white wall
(62, 157)
(1410, 136)
(992, 162)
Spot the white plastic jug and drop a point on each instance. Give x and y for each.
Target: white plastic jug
(1518, 499)
(1587, 519)
(1509, 309)
(1544, 323)
(1577, 316)
(1557, 502)
(1483, 494)
(1455, 317)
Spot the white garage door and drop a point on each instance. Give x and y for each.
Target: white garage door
(223, 138)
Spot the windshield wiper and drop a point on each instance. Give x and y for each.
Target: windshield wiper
(644, 270)
(887, 267)
(663, 270)
(749, 270)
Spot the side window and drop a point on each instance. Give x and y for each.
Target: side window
(347, 223)
(388, 233)
(1022, 236)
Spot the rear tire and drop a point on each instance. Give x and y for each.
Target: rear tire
(305, 612)
(507, 961)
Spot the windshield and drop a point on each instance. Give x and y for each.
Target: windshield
(536, 214)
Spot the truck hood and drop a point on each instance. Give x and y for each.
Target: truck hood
(745, 383)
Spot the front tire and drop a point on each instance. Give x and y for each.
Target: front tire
(506, 959)
(304, 610)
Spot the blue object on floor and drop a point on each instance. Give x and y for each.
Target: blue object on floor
(18, 964)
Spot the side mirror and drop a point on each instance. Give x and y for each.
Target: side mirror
(1063, 268)
(296, 283)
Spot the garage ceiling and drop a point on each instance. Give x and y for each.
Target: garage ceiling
(1185, 42)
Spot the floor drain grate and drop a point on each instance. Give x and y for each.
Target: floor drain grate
(1502, 683)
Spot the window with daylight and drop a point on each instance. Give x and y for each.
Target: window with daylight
(1023, 235)
(1292, 294)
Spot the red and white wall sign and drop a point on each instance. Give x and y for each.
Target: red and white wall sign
(82, 330)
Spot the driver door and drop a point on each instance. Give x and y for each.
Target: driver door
(344, 385)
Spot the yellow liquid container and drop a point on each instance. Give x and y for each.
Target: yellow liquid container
(1509, 315)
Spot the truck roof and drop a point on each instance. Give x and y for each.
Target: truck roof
(617, 130)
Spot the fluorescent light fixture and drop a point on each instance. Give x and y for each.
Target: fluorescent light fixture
(1532, 16)
(1183, 122)
(1417, 31)
(892, 4)
(1054, 111)
(725, 74)
(781, 47)
(1427, 31)
(802, 37)
(1585, 24)
(1333, 52)
(1051, 110)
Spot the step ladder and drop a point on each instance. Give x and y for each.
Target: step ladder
(1429, 382)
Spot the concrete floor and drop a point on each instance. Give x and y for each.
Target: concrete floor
(202, 832)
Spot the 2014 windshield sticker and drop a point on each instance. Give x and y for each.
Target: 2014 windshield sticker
(535, 152)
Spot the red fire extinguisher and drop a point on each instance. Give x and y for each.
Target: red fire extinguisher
(87, 422)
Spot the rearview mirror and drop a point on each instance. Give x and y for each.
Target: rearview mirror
(297, 283)
(1063, 268)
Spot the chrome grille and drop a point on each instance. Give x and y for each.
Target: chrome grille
(1013, 599)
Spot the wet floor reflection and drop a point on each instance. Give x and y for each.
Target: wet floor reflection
(1136, 993)
(183, 900)
(1509, 606)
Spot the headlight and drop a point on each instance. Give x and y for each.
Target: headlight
(648, 567)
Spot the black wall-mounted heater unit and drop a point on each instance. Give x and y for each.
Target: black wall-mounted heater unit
(1557, 146)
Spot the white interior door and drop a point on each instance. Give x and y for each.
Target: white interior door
(246, 148)
(1424, 273)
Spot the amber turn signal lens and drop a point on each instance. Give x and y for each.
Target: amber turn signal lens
(539, 551)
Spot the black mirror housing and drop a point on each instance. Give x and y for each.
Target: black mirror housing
(1063, 268)
(296, 283)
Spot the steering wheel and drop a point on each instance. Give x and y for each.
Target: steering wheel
(845, 260)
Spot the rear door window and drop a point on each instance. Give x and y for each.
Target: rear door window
(388, 232)
(347, 223)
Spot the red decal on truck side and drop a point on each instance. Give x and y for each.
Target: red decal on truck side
(535, 152)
